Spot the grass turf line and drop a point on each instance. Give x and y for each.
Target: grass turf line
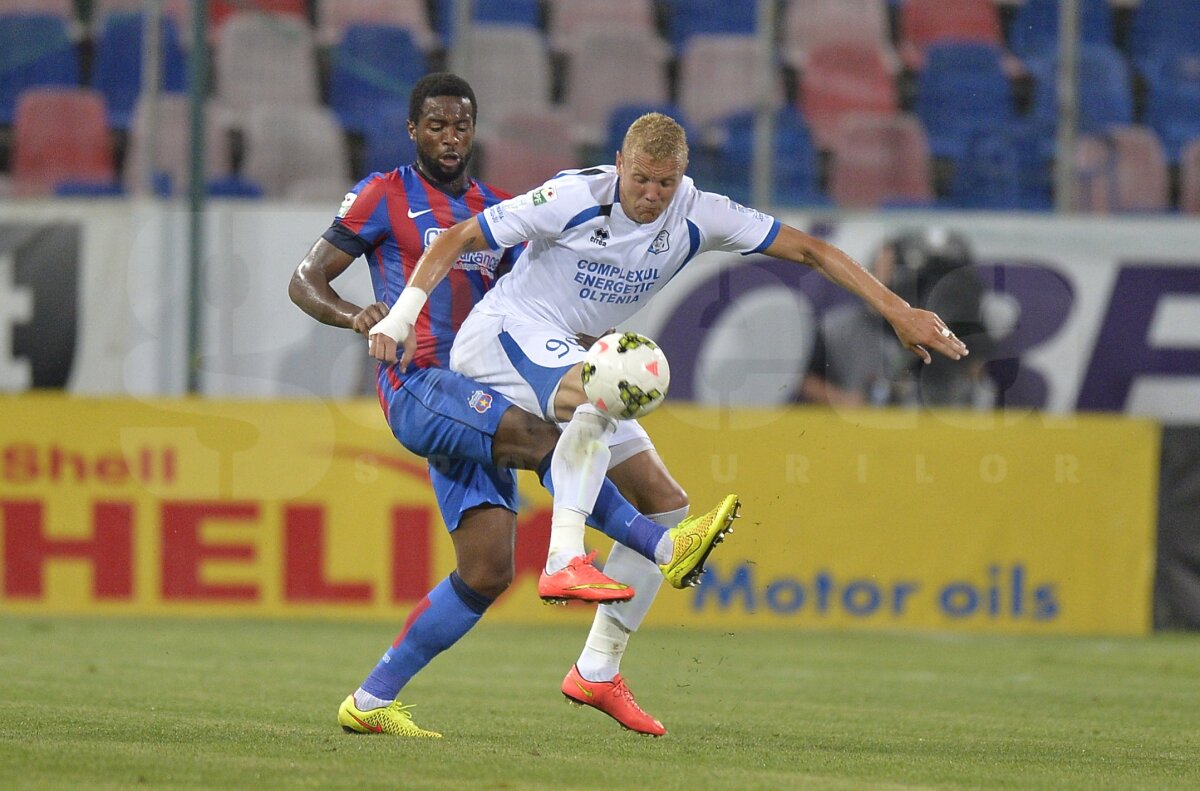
(133, 703)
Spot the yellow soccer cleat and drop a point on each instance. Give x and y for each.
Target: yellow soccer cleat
(394, 719)
(693, 540)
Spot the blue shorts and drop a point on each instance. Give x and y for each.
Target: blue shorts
(451, 420)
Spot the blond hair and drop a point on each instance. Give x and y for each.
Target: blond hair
(657, 136)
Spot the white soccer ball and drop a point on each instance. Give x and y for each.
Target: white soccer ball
(625, 375)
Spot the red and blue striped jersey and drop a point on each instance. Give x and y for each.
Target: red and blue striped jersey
(390, 218)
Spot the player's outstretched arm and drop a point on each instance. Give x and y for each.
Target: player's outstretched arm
(310, 288)
(919, 330)
(392, 331)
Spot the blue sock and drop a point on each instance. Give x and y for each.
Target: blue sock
(615, 516)
(437, 622)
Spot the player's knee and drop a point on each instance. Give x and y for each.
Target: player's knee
(488, 580)
(523, 440)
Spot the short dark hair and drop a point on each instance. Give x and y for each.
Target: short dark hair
(440, 83)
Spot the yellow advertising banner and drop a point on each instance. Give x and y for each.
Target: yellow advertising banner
(862, 520)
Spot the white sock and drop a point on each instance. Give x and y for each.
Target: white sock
(566, 539)
(605, 646)
(579, 465)
(365, 701)
(664, 549)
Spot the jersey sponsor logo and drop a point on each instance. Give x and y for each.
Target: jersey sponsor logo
(347, 202)
(412, 215)
(485, 261)
(480, 401)
(661, 243)
(544, 195)
(600, 237)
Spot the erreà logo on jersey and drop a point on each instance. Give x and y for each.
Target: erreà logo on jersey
(480, 401)
(544, 195)
(484, 261)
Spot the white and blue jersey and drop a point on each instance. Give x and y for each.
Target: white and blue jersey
(587, 268)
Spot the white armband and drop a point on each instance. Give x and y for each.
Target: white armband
(402, 316)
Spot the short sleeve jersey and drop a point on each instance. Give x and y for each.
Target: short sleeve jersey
(390, 218)
(588, 266)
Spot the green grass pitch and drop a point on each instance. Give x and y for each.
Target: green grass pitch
(228, 704)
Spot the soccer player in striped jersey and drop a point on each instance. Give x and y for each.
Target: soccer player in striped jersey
(470, 433)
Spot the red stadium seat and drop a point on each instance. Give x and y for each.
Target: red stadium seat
(509, 71)
(296, 152)
(571, 20)
(718, 76)
(811, 23)
(60, 135)
(924, 22)
(880, 160)
(842, 78)
(167, 135)
(526, 150)
(1123, 170)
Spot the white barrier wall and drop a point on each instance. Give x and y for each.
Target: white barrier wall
(1094, 313)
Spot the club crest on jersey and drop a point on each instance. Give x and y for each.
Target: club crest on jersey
(544, 195)
(600, 237)
(661, 243)
(480, 401)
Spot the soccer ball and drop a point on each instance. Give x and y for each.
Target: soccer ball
(625, 375)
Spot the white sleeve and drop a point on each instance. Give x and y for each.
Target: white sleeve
(730, 227)
(541, 212)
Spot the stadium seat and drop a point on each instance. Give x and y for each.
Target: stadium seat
(518, 13)
(963, 86)
(117, 64)
(1104, 88)
(843, 77)
(795, 166)
(265, 60)
(334, 16)
(60, 135)
(359, 80)
(570, 20)
(289, 149)
(1163, 28)
(1034, 29)
(386, 144)
(1123, 170)
(166, 134)
(598, 82)
(526, 150)
(621, 116)
(879, 161)
(63, 9)
(687, 18)
(1173, 100)
(1006, 167)
(926, 22)
(221, 11)
(1189, 178)
(719, 76)
(811, 23)
(509, 71)
(35, 50)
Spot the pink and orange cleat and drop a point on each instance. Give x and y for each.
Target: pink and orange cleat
(580, 580)
(613, 698)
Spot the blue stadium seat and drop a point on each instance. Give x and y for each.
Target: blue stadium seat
(1034, 29)
(686, 18)
(35, 50)
(526, 13)
(963, 86)
(117, 67)
(1104, 87)
(622, 116)
(1006, 167)
(359, 79)
(795, 165)
(386, 143)
(1173, 101)
(1162, 28)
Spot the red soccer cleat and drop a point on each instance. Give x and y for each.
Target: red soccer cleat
(613, 698)
(580, 580)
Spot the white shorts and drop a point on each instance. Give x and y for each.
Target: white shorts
(526, 361)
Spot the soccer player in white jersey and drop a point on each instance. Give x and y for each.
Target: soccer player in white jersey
(600, 243)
